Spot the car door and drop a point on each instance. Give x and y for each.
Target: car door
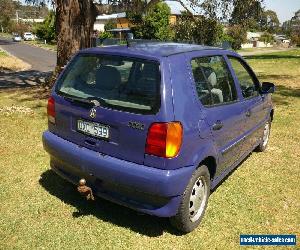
(253, 103)
(222, 110)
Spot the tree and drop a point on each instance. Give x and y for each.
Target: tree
(20, 27)
(75, 19)
(269, 21)
(7, 10)
(238, 34)
(295, 32)
(200, 30)
(266, 37)
(185, 28)
(154, 24)
(110, 25)
(247, 13)
(46, 30)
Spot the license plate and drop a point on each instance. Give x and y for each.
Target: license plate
(93, 129)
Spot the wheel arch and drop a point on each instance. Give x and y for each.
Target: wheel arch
(211, 163)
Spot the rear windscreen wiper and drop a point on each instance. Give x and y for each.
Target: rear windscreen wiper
(78, 100)
(97, 101)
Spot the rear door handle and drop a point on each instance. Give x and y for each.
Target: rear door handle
(217, 126)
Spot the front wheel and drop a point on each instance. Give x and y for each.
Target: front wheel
(265, 137)
(194, 201)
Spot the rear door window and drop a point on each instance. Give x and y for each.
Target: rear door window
(116, 82)
(213, 81)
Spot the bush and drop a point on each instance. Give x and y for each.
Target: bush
(46, 30)
(110, 25)
(200, 30)
(20, 28)
(238, 35)
(104, 35)
(267, 38)
(154, 25)
(295, 39)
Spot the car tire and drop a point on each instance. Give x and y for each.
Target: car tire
(265, 137)
(194, 201)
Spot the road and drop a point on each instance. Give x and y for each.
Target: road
(42, 65)
(40, 59)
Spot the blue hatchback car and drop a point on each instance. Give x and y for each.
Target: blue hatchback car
(156, 126)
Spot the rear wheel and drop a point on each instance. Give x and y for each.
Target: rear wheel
(265, 137)
(194, 201)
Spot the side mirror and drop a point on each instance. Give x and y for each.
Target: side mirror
(267, 88)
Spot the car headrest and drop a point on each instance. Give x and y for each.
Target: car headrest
(212, 79)
(149, 71)
(209, 73)
(107, 78)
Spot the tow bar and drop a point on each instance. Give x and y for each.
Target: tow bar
(85, 190)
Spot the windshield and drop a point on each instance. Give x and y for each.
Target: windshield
(121, 83)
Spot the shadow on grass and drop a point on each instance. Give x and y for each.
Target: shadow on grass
(231, 172)
(21, 79)
(104, 210)
(282, 93)
(275, 77)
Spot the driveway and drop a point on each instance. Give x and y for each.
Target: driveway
(42, 64)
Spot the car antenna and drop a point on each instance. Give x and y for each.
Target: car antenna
(129, 36)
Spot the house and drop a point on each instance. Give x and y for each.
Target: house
(253, 41)
(282, 41)
(176, 9)
(119, 18)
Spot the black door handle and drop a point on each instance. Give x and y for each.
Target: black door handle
(248, 113)
(217, 126)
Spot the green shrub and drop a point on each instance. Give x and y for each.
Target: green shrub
(46, 30)
(238, 35)
(267, 38)
(104, 35)
(153, 25)
(200, 30)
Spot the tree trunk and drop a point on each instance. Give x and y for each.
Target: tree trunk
(74, 26)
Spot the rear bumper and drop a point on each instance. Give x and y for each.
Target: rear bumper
(150, 190)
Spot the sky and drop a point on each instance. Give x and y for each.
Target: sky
(285, 9)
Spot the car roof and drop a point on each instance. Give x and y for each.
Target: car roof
(154, 49)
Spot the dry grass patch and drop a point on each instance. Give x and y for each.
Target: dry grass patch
(11, 63)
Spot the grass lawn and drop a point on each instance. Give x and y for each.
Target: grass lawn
(6, 35)
(40, 210)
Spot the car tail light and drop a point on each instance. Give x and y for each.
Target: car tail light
(51, 110)
(164, 139)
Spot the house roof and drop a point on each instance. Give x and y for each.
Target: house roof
(175, 7)
(112, 16)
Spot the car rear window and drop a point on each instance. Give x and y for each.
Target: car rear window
(122, 83)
